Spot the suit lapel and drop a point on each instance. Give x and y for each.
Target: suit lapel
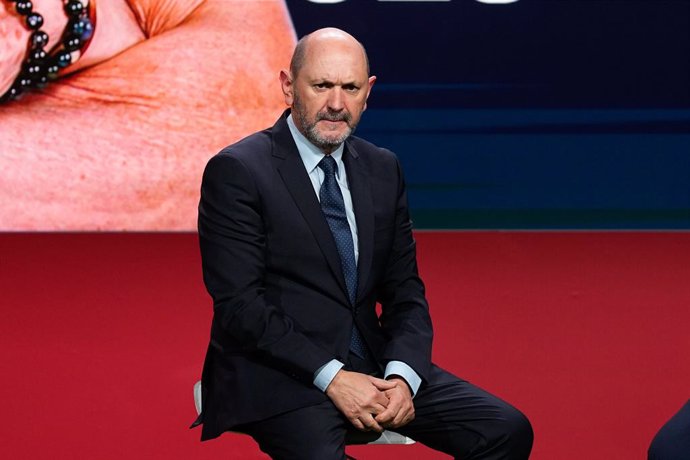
(296, 180)
(360, 190)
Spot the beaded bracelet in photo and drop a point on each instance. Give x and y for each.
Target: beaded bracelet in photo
(40, 67)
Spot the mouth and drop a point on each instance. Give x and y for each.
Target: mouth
(334, 117)
(332, 124)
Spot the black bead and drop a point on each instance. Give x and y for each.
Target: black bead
(13, 93)
(52, 69)
(39, 39)
(16, 91)
(74, 8)
(34, 21)
(41, 81)
(81, 27)
(72, 43)
(37, 55)
(25, 82)
(63, 59)
(33, 69)
(24, 7)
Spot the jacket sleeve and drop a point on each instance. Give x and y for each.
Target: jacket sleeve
(405, 312)
(233, 244)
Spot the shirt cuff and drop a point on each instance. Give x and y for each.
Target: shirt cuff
(403, 370)
(325, 374)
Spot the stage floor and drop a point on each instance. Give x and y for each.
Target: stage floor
(103, 335)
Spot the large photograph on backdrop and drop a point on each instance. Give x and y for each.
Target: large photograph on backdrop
(121, 143)
(527, 114)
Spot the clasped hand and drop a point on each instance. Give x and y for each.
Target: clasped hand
(370, 403)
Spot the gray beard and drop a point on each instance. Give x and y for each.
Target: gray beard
(327, 145)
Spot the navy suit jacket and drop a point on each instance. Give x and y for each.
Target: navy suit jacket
(271, 265)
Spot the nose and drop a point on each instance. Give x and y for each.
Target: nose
(335, 99)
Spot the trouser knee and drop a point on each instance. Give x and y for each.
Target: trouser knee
(513, 437)
(521, 435)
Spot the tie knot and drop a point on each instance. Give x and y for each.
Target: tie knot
(328, 165)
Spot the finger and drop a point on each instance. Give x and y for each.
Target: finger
(408, 415)
(357, 424)
(403, 418)
(382, 384)
(399, 410)
(377, 409)
(380, 400)
(385, 418)
(371, 424)
(390, 413)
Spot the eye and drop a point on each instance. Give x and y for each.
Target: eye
(323, 85)
(351, 88)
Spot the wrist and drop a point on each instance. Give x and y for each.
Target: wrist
(334, 382)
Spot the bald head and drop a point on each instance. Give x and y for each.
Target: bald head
(329, 36)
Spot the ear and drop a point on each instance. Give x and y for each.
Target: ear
(371, 82)
(287, 86)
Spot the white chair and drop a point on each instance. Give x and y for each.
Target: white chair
(387, 437)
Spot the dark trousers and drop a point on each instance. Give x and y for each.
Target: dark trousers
(672, 442)
(451, 416)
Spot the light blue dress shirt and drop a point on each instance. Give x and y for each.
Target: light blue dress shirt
(311, 156)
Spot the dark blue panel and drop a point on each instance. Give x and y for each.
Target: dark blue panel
(531, 53)
(535, 114)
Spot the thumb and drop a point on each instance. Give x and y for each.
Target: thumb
(382, 384)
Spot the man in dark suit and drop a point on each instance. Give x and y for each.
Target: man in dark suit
(303, 228)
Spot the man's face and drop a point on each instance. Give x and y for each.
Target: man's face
(329, 92)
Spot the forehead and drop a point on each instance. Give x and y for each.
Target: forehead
(334, 61)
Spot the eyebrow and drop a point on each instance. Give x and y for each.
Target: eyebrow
(325, 81)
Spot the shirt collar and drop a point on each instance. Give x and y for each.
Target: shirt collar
(311, 154)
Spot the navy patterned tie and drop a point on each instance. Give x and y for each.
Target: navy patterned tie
(333, 208)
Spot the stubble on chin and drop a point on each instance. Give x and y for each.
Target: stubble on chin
(323, 142)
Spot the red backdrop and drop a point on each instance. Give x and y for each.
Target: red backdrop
(103, 335)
